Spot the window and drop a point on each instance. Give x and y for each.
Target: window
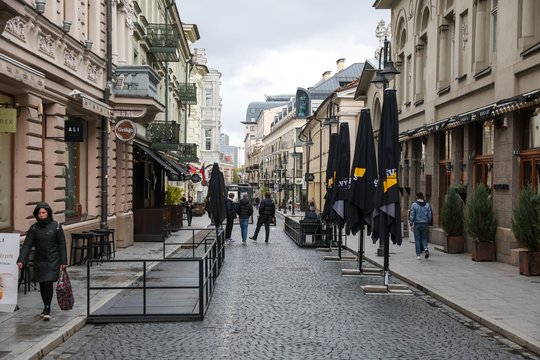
(463, 54)
(208, 96)
(484, 143)
(75, 176)
(208, 139)
(6, 169)
(72, 179)
(529, 27)
(252, 128)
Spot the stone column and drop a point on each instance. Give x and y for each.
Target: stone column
(444, 69)
(480, 34)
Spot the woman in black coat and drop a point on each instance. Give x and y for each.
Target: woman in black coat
(50, 256)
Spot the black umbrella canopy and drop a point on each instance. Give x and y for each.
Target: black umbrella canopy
(217, 195)
(328, 213)
(363, 178)
(342, 177)
(387, 201)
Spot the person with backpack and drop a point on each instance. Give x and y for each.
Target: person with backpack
(231, 215)
(420, 218)
(244, 209)
(50, 257)
(267, 214)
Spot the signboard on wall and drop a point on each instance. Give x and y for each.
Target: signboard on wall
(8, 120)
(9, 272)
(74, 130)
(125, 130)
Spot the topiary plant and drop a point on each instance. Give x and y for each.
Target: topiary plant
(526, 219)
(452, 213)
(173, 194)
(480, 222)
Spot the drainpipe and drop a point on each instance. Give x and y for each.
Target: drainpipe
(105, 125)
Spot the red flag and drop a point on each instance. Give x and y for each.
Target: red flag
(203, 174)
(192, 169)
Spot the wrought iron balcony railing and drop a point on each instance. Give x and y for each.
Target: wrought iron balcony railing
(187, 93)
(188, 153)
(163, 39)
(163, 135)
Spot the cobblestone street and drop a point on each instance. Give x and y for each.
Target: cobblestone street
(278, 301)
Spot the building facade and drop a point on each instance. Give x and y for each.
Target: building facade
(468, 98)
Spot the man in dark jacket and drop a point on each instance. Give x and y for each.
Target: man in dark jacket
(231, 215)
(244, 209)
(267, 212)
(47, 237)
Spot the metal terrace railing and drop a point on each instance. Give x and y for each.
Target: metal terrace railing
(178, 287)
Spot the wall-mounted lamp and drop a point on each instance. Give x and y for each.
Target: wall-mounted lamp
(422, 168)
(66, 26)
(40, 6)
(471, 156)
(332, 120)
(515, 152)
(449, 167)
(309, 142)
(463, 166)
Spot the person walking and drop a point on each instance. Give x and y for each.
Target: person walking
(244, 209)
(50, 256)
(189, 210)
(267, 212)
(231, 215)
(420, 217)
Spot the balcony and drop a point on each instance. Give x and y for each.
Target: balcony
(163, 135)
(136, 81)
(186, 93)
(188, 153)
(163, 39)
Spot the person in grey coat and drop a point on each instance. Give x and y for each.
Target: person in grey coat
(50, 256)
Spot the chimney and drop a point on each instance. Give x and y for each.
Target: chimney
(326, 75)
(340, 64)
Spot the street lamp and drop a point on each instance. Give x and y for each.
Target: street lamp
(389, 72)
(285, 182)
(294, 154)
(309, 144)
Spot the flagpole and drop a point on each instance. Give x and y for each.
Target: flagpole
(361, 249)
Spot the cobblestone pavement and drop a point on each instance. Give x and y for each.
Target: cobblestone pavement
(278, 301)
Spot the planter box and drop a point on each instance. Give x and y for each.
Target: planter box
(455, 244)
(484, 251)
(529, 263)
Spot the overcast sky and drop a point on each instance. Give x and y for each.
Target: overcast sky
(272, 47)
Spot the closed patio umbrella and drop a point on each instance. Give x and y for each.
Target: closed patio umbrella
(217, 195)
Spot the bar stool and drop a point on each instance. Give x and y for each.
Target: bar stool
(107, 242)
(84, 243)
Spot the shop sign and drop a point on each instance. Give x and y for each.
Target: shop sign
(125, 130)
(74, 130)
(8, 120)
(195, 178)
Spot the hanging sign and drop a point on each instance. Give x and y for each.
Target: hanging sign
(9, 272)
(196, 178)
(74, 130)
(125, 130)
(8, 120)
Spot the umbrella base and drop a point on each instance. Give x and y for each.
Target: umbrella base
(393, 289)
(337, 258)
(364, 272)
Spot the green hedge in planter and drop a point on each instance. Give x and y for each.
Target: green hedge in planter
(480, 221)
(452, 213)
(526, 219)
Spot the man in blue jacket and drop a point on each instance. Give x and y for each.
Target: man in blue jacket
(420, 217)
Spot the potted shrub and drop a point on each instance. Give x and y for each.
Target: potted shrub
(173, 201)
(526, 229)
(481, 225)
(452, 222)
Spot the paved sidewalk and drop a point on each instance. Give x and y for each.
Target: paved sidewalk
(492, 293)
(23, 335)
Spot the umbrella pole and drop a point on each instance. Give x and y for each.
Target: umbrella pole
(339, 243)
(360, 249)
(386, 259)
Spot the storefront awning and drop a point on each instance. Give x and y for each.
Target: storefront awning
(180, 169)
(172, 174)
(487, 112)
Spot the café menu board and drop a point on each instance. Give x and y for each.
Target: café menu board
(9, 272)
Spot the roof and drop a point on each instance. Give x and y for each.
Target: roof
(255, 108)
(325, 87)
